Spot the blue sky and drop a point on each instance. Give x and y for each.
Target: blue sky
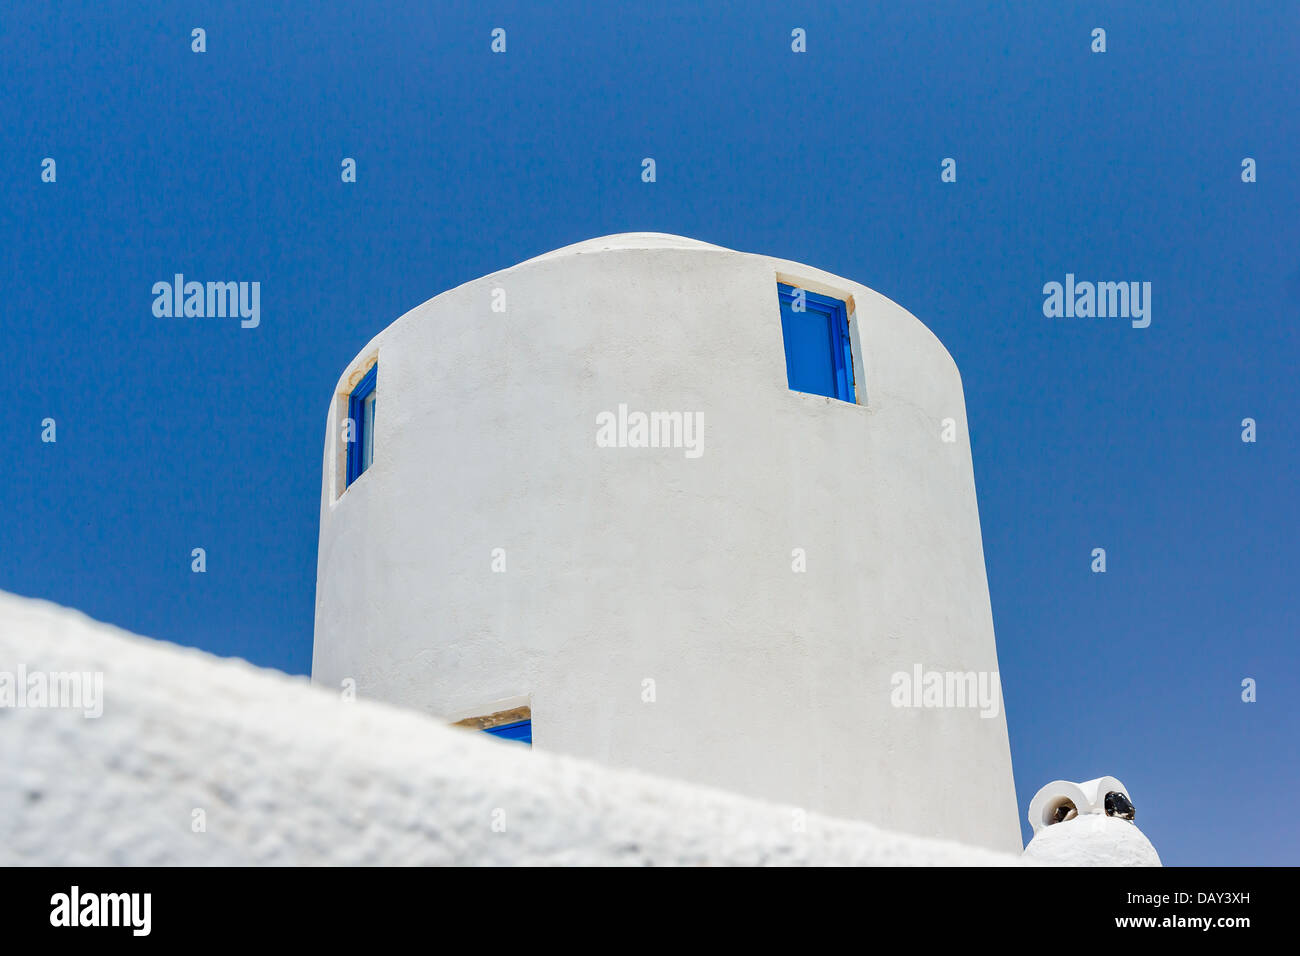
(1086, 432)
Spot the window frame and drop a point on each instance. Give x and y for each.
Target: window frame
(357, 414)
(519, 731)
(514, 722)
(836, 312)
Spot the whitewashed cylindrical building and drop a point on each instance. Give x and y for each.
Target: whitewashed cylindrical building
(698, 512)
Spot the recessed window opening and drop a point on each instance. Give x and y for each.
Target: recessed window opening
(361, 411)
(520, 730)
(513, 724)
(818, 347)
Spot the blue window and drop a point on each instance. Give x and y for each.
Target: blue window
(818, 353)
(520, 730)
(361, 409)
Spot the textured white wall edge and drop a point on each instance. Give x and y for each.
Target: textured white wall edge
(290, 774)
(633, 564)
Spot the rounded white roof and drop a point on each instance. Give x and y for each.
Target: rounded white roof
(630, 240)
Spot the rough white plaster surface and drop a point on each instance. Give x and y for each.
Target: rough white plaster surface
(1093, 839)
(631, 564)
(290, 774)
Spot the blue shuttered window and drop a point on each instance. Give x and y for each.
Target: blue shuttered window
(361, 409)
(520, 730)
(818, 351)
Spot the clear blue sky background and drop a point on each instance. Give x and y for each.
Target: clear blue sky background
(174, 434)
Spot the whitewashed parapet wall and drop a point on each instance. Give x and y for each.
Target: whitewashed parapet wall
(632, 565)
(279, 772)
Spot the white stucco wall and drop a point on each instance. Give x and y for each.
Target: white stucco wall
(1090, 837)
(631, 564)
(285, 773)
(1093, 839)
